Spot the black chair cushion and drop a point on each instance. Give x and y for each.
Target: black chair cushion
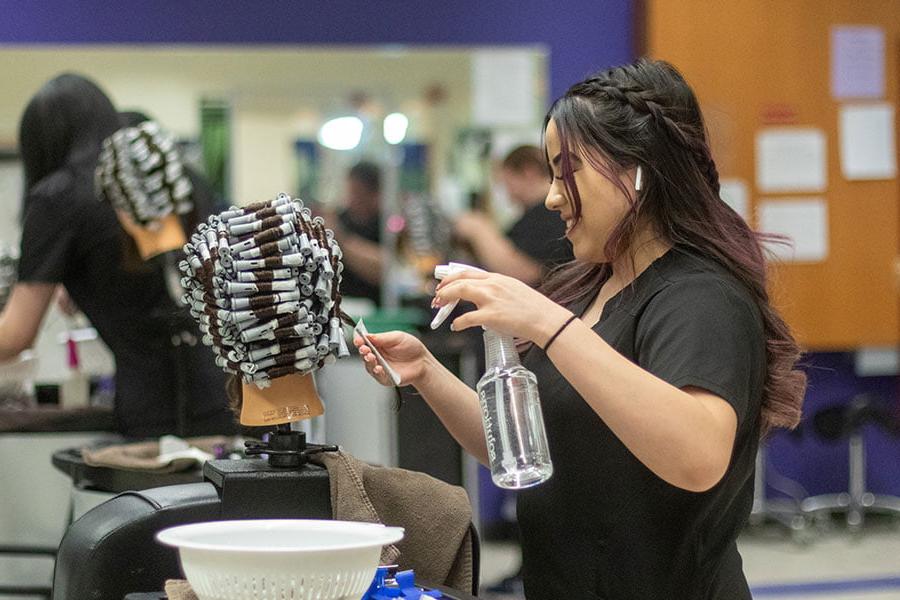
(112, 551)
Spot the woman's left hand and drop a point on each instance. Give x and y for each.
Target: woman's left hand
(504, 304)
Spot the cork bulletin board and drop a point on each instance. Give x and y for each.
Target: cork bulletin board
(765, 64)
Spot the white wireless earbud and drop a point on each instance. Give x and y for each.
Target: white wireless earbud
(638, 179)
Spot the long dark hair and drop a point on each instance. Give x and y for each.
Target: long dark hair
(646, 114)
(64, 125)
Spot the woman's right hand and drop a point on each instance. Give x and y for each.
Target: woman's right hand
(406, 354)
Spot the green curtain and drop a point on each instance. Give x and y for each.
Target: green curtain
(215, 137)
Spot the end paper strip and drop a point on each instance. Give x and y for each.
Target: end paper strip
(361, 330)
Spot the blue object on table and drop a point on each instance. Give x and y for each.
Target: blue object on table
(401, 585)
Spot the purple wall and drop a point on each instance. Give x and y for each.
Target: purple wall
(821, 466)
(581, 35)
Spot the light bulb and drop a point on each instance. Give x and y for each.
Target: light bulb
(342, 133)
(395, 125)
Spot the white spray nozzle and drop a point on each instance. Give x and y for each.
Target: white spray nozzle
(440, 272)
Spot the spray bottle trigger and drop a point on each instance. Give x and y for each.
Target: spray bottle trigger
(440, 272)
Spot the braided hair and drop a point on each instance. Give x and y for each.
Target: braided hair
(645, 114)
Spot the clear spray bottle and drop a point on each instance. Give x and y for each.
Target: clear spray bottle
(510, 407)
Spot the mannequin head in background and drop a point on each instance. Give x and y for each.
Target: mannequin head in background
(524, 175)
(363, 191)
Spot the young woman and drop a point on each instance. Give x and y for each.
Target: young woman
(659, 357)
(71, 238)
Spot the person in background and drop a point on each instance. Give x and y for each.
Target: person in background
(357, 228)
(69, 237)
(536, 241)
(659, 357)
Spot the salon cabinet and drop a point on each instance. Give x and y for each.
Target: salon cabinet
(37, 499)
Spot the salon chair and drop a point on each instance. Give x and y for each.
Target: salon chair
(847, 422)
(112, 551)
(785, 511)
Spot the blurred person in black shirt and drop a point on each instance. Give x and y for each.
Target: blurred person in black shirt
(536, 241)
(357, 228)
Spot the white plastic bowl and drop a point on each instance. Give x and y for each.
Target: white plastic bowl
(280, 559)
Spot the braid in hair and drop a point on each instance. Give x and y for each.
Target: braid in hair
(646, 102)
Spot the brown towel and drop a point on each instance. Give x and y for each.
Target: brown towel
(436, 515)
(179, 589)
(141, 456)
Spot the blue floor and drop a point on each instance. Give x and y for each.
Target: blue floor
(828, 587)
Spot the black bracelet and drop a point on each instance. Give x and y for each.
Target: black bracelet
(558, 331)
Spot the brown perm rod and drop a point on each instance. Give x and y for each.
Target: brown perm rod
(248, 242)
(265, 307)
(221, 361)
(262, 332)
(279, 347)
(212, 243)
(252, 209)
(235, 288)
(239, 230)
(262, 377)
(262, 301)
(276, 233)
(210, 310)
(242, 228)
(216, 339)
(276, 248)
(289, 331)
(271, 311)
(272, 362)
(292, 345)
(283, 359)
(263, 213)
(276, 372)
(272, 262)
(282, 320)
(292, 331)
(274, 274)
(257, 303)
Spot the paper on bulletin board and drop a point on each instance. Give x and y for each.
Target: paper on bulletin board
(734, 194)
(868, 150)
(791, 159)
(804, 221)
(857, 61)
(503, 88)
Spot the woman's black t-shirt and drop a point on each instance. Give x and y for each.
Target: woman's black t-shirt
(604, 525)
(70, 237)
